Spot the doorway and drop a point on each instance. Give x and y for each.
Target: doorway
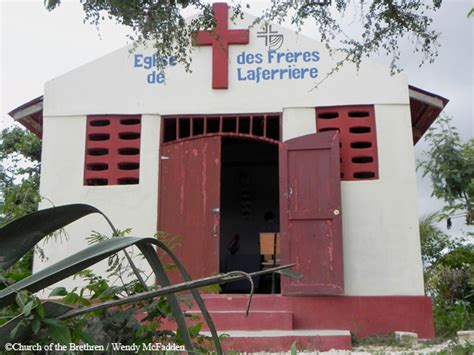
(251, 174)
(249, 205)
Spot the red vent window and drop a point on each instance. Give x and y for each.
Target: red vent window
(112, 150)
(358, 139)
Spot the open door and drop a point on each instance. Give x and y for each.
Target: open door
(310, 210)
(189, 198)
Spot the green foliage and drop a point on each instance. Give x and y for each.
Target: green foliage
(73, 321)
(18, 144)
(460, 257)
(458, 349)
(449, 318)
(17, 272)
(173, 242)
(158, 21)
(384, 24)
(293, 348)
(119, 264)
(121, 324)
(45, 330)
(451, 285)
(449, 264)
(20, 156)
(449, 278)
(450, 164)
(433, 240)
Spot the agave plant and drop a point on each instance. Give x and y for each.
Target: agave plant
(21, 235)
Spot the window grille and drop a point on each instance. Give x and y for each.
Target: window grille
(358, 139)
(112, 150)
(262, 126)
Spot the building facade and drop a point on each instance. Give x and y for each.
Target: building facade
(252, 135)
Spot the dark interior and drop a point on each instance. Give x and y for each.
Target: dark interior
(249, 200)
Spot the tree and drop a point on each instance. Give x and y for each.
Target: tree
(448, 269)
(434, 242)
(20, 156)
(450, 164)
(383, 24)
(448, 263)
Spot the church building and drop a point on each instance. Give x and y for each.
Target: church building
(256, 149)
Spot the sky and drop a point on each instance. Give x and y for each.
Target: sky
(37, 45)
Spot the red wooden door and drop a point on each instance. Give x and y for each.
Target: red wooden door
(189, 199)
(310, 209)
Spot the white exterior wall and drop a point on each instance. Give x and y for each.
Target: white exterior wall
(380, 227)
(62, 176)
(111, 84)
(380, 224)
(380, 220)
(297, 122)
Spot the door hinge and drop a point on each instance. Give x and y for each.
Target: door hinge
(163, 157)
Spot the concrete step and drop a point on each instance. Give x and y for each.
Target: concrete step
(226, 302)
(281, 340)
(236, 320)
(256, 320)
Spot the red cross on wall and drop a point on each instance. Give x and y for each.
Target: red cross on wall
(220, 38)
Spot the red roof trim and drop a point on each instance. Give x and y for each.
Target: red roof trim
(424, 112)
(31, 125)
(31, 120)
(35, 101)
(421, 91)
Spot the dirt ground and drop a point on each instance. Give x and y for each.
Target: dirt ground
(446, 347)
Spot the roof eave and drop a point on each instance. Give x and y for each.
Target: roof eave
(425, 107)
(30, 115)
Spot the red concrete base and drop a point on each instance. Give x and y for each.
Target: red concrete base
(256, 320)
(361, 315)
